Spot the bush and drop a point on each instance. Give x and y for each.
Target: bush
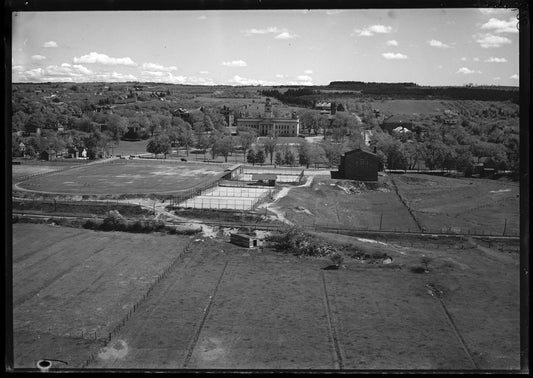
(300, 243)
(91, 225)
(337, 258)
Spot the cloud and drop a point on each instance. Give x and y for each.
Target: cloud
(50, 44)
(285, 35)
(464, 59)
(237, 80)
(67, 70)
(331, 12)
(501, 26)
(491, 41)
(467, 71)
(280, 76)
(309, 72)
(439, 44)
(54, 73)
(204, 72)
(235, 63)
(514, 77)
(392, 42)
(493, 10)
(374, 29)
(268, 30)
(38, 57)
(390, 55)
(158, 67)
(202, 17)
(115, 76)
(476, 59)
(304, 78)
(95, 57)
(493, 59)
(496, 78)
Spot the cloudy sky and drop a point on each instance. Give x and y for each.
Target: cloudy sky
(272, 47)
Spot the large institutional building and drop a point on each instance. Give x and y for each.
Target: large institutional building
(267, 124)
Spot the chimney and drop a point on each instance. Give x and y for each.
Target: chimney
(375, 149)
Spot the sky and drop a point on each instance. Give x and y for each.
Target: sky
(268, 47)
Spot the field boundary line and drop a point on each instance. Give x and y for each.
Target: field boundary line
(457, 333)
(126, 318)
(196, 335)
(337, 355)
(402, 200)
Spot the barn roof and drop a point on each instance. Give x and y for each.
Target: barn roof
(359, 150)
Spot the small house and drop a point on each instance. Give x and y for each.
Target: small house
(360, 165)
(47, 155)
(245, 240)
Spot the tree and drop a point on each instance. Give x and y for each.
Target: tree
(117, 126)
(159, 144)
(279, 158)
(247, 139)
(260, 156)
(270, 146)
(212, 141)
(250, 157)
(304, 154)
(224, 146)
(288, 157)
(186, 136)
(332, 152)
(202, 143)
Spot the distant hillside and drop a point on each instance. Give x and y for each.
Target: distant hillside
(412, 90)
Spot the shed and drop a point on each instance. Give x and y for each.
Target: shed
(360, 165)
(48, 155)
(245, 240)
(232, 172)
(267, 179)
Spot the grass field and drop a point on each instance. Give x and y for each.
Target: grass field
(67, 281)
(439, 204)
(462, 205)
(325, 203)
(126, 176)
(223, 306)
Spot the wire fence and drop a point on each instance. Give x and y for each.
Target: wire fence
(316, 225)
(105, 337)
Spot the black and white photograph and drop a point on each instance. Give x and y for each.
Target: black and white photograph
(250, 188)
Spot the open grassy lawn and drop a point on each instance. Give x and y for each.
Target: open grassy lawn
(126, 148)
(325, 203)
(126, 176)
(224, 306)
(462, 205)
(67, 281)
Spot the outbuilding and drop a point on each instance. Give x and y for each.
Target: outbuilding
(360, 165)
(245, 240)
(48, 155)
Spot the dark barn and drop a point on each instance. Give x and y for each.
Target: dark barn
(359, 165)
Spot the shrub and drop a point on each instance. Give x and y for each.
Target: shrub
(114, 222)
(417, 269)
(91, 225)
(300, 243)
(337, 258)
